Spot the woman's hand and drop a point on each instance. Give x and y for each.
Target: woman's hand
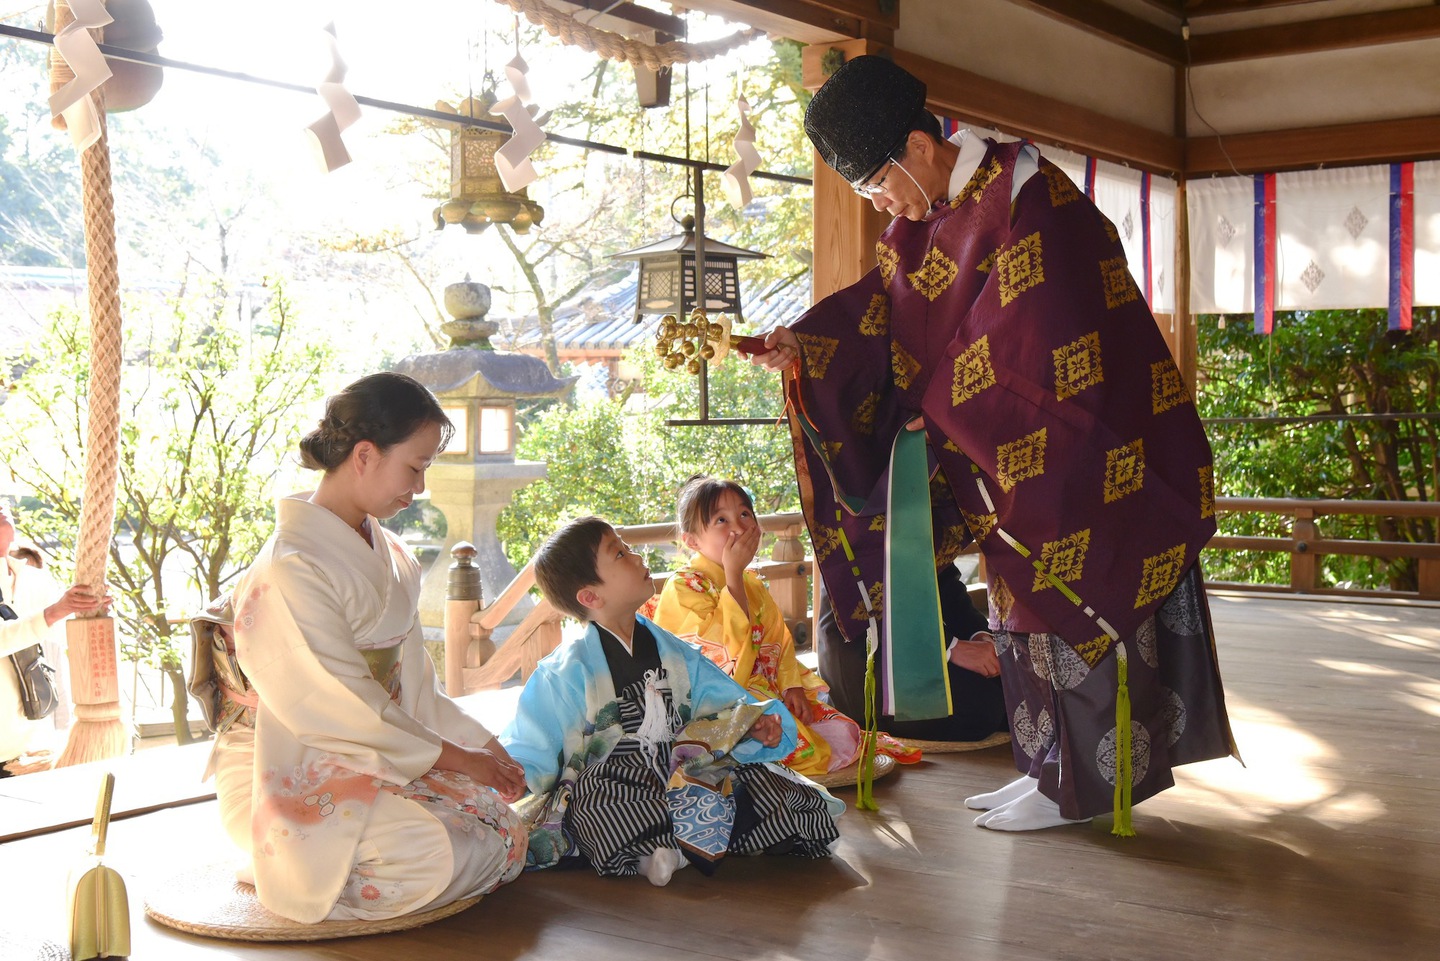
(78, 599)
(490, 765)
(799, 704)
(784, 350)
(767, 730)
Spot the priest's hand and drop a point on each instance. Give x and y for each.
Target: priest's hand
(767, 730)
(783, 350)
(977, 654)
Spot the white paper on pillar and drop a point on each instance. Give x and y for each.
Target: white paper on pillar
(1333, 238)
(1222, 244)
(1427, 233)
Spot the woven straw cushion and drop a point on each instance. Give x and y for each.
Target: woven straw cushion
(209, 901)
(955, 747)
(884, 764)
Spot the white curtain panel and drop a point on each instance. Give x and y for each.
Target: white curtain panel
(1427, 234)
(1222, 244)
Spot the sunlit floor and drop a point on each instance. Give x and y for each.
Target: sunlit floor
(1326, 844)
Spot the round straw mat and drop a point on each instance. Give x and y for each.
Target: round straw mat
(884, 764)
(955, 747)
(208, 901)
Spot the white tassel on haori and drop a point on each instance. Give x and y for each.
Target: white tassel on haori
(660, 721)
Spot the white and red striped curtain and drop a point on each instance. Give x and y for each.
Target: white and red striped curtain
(1347, 238)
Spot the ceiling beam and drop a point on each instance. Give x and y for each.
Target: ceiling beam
(1310, 36)
(630, 13)
(962, 95)
(1380, 141)
(1210, 8)
(1114, 25)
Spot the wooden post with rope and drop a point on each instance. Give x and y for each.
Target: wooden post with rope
(98, 732)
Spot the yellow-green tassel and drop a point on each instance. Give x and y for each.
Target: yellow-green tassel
(1123, 763)
(865, 776)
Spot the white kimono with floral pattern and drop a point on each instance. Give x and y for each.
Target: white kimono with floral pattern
(348, 818)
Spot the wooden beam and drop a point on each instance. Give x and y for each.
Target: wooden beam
(1118, 27)
(1210, 8)
(1310, 36)
(642, 17)
(1380, 141)
(968, 96)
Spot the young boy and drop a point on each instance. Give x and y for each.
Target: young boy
(643, 756)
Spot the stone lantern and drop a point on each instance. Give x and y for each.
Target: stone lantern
(474, 479)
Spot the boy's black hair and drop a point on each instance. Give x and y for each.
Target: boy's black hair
(567, 563)
(698, 497)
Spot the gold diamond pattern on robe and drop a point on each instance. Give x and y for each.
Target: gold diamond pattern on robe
(877, 603)
(1124, 470)
(950, 446)
(825, 540)
(832, 448)
(1063, 559)
(973, 372)
(982, 178)
(940, 488)
(863, 421)
(1159, 575)
(1207, 491)
(1110, 230)
(1062, 188)
(951, 544)
(980, 524)
(1020, 459)
(1093, 651)
(877, 523)
(818, 351)
(889, 261)
(936, 273)
(988, 264)
(1002, 602)
(1021, 267)
(1077, 365)
(1119, 285)
(876, 320)
(904, 364)
(1167, 386)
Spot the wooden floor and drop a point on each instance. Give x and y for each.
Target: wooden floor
(1327, 846)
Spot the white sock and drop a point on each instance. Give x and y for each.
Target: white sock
(659, 867)
(1031, 812)
(1008, 793)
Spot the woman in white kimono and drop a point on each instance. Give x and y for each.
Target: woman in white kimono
(371, 793)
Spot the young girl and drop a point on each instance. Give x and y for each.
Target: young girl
(715, 601)
(374, 795)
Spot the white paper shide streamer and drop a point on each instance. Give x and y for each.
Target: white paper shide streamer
(512, 161)
(737, 175)
(343, 110)
(83, 56)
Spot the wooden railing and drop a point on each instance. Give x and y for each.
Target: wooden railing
(1306, 545)
(473, 663)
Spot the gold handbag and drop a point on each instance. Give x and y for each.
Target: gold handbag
(99, 910)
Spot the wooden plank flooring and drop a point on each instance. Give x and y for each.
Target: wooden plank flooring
(1326, 846)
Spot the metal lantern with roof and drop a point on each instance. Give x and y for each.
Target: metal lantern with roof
(477, 196)
(667, 282)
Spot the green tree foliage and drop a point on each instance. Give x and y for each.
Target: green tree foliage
(618, 458)
(210, 414)
(1324, 363)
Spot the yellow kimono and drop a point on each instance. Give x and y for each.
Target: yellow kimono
(759, 653)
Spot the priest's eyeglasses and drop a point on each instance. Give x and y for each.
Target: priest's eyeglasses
(869, 190)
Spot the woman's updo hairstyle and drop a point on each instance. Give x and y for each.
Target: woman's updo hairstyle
(384, 408)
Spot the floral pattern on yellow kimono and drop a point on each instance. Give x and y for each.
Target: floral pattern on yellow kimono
(759, 653)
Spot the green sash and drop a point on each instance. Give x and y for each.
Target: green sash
(917, 683)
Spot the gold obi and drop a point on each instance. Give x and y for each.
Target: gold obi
(384, 665)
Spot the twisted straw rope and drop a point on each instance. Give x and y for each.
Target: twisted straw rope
(613, 46)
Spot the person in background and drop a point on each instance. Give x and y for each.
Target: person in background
(26, 620)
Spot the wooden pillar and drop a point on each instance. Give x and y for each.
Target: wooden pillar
(846, 226)
(1304, 563)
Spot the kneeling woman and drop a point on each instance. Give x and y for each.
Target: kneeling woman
(370, 794)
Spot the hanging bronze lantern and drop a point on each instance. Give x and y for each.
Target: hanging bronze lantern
(477, 196)
(667, 275)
